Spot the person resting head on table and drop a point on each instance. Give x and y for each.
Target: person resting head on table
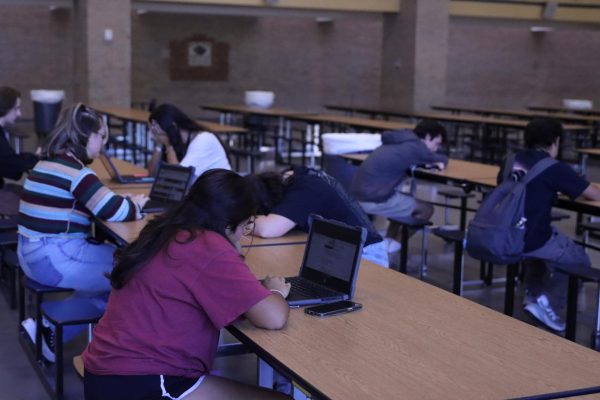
(61, 196)
(180, 140)
(377, 183)
(285, 201)
(174, 289)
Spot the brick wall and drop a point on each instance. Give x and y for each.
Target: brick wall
(501, 63)
(490, 62)
(107, 64)
(306, 64)
(36, 50)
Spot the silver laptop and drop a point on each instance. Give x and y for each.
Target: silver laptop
(330, 264)
(170, 186)
(116, 175)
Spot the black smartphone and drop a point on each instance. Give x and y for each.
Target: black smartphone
(339, 307)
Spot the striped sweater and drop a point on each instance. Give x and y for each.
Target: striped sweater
(61, 195)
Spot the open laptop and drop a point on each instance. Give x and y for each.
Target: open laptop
(117, 177)
(170, 186)
(330, 264)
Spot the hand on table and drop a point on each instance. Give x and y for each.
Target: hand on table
(139, 199)
(278, 284)
(438, 165)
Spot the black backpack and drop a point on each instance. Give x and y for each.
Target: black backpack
(497, 232)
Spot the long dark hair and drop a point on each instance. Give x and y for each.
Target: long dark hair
(269, 189)
(219, 200)
(171, 120)
(8, 99)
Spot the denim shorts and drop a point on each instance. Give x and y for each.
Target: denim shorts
(68, 262)
(138, 387)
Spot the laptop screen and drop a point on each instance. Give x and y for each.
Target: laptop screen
(171, 182)
(332, 255)
(109, 166)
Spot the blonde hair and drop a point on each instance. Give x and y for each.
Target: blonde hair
(72, 132)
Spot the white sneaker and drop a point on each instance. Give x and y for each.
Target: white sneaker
(393, 245)
(543, 312)
(30, 327)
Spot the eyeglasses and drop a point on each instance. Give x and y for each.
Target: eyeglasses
(102, 134)
(249, 227)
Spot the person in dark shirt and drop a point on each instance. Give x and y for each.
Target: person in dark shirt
(545, 286)
(286, 200)
(12, 165)
(377, 182)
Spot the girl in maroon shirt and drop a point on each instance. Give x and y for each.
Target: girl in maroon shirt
(174, 289)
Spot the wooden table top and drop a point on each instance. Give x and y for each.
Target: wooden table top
(292, 237)
(481, 110)
(503, 122)
(125, 168)
(465, 170)
(127, 232)
(240, 109)
(553, 109)
(413, 340)
(589, 152)
(456, 169)
(316, 118)
(578, 118)
(141, 116)
(441, 116)
(357, 158)
(355, 122)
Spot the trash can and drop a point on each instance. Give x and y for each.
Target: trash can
(335, 144)
(46, 107)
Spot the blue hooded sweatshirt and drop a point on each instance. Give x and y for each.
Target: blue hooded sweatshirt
(386, 168)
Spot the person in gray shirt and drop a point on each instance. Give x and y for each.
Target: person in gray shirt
(376, 184)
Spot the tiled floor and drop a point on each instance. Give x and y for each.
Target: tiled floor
(18, 380)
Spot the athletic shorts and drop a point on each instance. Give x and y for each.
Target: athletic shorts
(138, 387)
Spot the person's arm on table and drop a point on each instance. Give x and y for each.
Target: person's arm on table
(592, 192)
(271, 312)
(272, 225)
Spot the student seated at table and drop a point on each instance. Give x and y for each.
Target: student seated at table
(377, 182)
(60, 198)
(287, 199)
(12, 165)
(545, 286)
(174, 289)
(182, 141)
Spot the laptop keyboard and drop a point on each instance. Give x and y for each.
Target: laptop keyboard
(306, 288)
(155, 204)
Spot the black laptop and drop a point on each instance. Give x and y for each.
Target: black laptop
(330, 265)
(170, 186)
(117, 177)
